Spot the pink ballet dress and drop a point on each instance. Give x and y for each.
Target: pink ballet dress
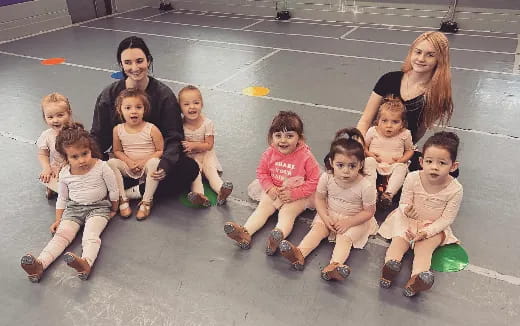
(388, 147)
(346, 200)
(436, 211)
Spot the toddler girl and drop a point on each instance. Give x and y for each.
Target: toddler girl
(199, 134)
(429, 204)
(345, 201)
(390, 144)
(82, 191)
(138, 146)
(56, 113)
(287, 158)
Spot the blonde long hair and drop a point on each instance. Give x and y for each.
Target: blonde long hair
(439, 104)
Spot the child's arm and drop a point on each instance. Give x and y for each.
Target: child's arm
(369, 198)
(158, 141)
(61, 203)
(45, 163)
(368, 140)
(448, 216)
(117, 148)
(321, 202)
(408, 148)
(312, 176)
(54, 226)
(197, 146)
(263, 174)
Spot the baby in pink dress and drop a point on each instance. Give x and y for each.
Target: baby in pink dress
(390, 144)
(346, 203)
(429, 204)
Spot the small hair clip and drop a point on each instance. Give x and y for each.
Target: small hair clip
(344, 136)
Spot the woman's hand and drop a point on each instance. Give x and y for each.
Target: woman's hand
(158, 175)
(46, 175)
(54, 226)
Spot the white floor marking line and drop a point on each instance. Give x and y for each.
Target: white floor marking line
(271, 98)
(12, 136)
(284, 49)
(308, 35)
(516, 65)
(68, 26)
(390, 28)
(253, 24)
(349, 32)
(303, 20)
(265, 57)
(380, 242)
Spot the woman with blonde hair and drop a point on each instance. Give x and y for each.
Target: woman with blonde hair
(423, 84)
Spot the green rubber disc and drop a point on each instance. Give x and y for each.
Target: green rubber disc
(449, 258)
(208, 192)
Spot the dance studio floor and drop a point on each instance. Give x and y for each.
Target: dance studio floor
(177, 267)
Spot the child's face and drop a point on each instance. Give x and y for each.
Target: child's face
(134, 64)
(424, 57)
(285, 141)
(390, 123)
(437, 164)
(79, 158)
(346, 168)
(132, 109)
(191, 104)
(56, 115)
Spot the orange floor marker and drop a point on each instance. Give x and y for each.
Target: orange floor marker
(53, 61)
(255, 91)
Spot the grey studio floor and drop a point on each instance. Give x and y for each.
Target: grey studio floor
(177, 267)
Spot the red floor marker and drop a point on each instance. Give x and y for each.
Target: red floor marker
(53, 61)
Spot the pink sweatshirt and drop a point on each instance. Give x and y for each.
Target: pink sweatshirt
(275, 168)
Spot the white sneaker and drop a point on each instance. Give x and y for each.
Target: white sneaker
(133, 193)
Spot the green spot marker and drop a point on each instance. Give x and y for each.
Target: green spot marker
(449, 258)
(208, 192)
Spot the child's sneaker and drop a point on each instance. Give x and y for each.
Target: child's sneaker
(238, 233)
(273, 241)
(79, 264)
(124, 208)
(33, 267)
(389, 273)
(225, 191)
(198, 199)
(419, 282)
(144, 210)
(335, 271)
(293, 254)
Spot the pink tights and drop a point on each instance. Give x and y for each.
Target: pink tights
(319, 232)
(423, 251)
(66, 232)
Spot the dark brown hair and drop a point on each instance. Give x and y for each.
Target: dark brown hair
(286, 121)
(75, 135)
(446, 140)
(132, 92)
(133, 42)
(349, 142)
(394, 105)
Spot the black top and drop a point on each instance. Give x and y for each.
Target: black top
(390, 84)
(165, 113)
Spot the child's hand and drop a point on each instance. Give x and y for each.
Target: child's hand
(140, 164)
(327, 220)
(285, 195)
(188, 146)
(377, 157)
(410, 234)
(411, 213)
(54, 226)
(341, 226)
(112, 213)
(396, 159)
(46, 175)
(420, 236)
(273, 192)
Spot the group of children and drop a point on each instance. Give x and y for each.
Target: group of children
(289, 180)
(72, 168)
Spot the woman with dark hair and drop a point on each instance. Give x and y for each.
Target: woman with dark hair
(176, 171)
